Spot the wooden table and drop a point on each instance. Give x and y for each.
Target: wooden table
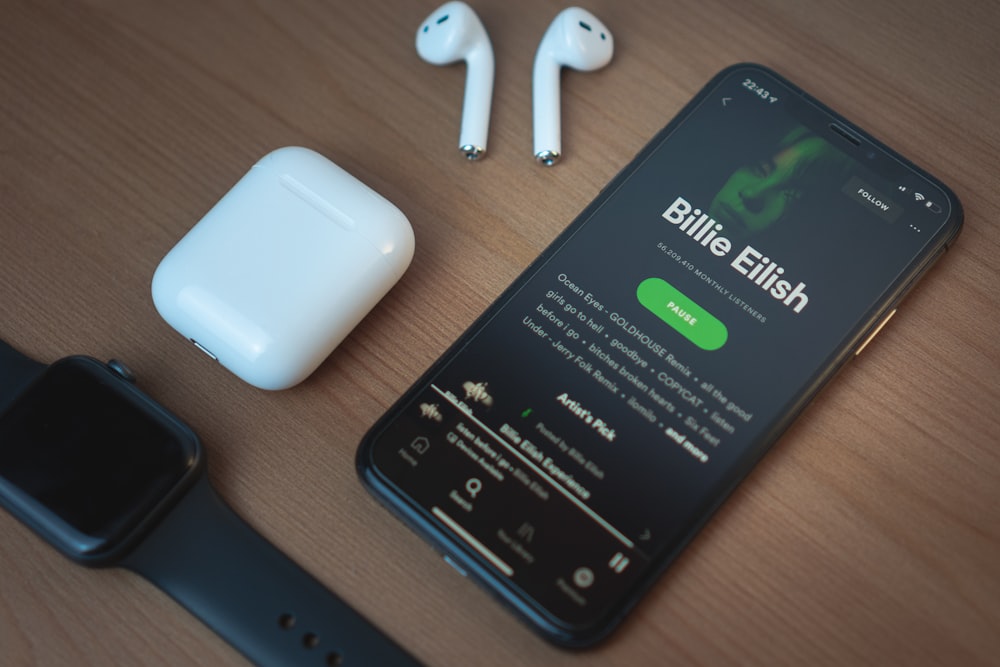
(870, 534)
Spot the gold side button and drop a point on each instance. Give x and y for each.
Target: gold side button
(874, 333)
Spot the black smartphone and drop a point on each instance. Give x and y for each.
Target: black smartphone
(584, 428)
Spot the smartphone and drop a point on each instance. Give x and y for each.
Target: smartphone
(565, 449)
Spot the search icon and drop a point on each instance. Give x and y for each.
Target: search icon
(473, 487)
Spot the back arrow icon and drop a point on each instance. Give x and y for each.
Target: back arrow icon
(726, 100)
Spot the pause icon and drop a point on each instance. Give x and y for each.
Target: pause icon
(618, 562)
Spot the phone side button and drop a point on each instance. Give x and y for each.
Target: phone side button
(885, 320)
(458, 569)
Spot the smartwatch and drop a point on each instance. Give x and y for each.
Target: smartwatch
(110, 478)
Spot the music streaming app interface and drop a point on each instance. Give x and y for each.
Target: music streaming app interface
(584, 429)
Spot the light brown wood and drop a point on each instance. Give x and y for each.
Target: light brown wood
(869, 535)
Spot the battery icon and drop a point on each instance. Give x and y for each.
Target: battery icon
(934, 208)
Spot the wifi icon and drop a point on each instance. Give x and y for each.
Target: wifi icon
(918, 196)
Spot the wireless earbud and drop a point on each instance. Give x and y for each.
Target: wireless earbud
(575, 39)
(451, 33)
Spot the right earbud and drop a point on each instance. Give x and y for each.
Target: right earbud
(576, 39)
(453, 32)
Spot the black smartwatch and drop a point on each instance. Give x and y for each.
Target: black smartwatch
(110, 478)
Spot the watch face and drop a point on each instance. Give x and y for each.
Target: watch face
(86, 458)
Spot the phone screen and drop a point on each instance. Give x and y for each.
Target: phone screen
(583, 429)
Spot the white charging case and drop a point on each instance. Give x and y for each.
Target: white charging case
(283, 267)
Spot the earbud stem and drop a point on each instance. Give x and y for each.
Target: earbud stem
(476, 105)
(546, 110)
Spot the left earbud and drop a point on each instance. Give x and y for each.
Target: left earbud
(453, 32)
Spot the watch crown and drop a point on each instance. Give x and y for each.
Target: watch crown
(121, 370)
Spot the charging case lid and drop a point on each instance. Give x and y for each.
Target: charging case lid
(283, 267)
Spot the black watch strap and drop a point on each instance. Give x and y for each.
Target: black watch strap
(17, 371)
(208, 559)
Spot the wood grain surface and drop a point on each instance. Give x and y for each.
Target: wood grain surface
(869, 535)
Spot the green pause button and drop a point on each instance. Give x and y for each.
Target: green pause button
(688, 318)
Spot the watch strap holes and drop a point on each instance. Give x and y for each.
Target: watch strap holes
(310, 640)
